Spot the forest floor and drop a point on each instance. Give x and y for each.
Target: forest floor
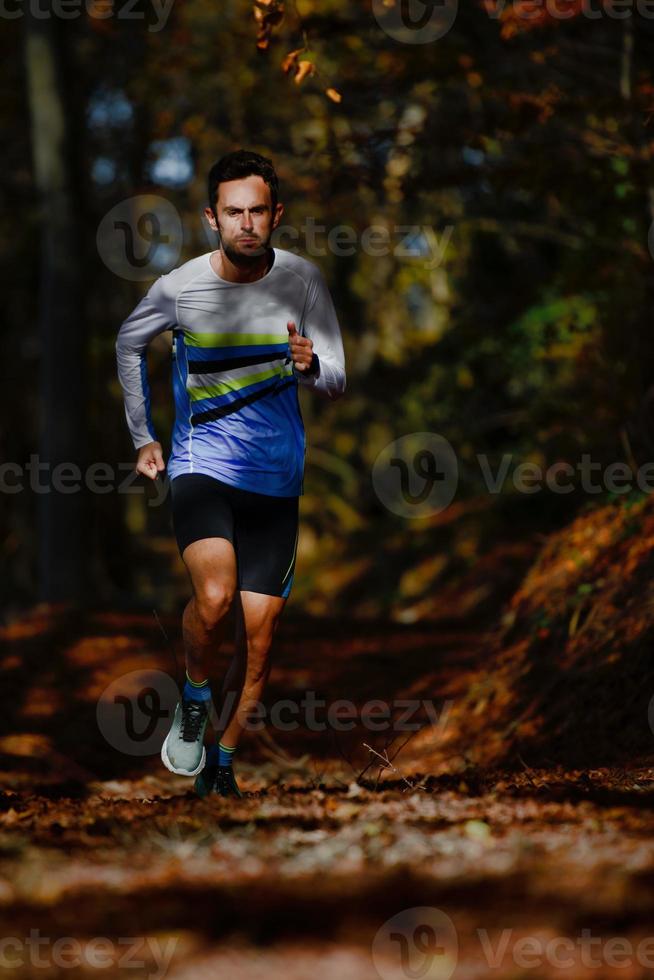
(336, 863)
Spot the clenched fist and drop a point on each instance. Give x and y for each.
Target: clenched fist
(150, 460)
(301, 348)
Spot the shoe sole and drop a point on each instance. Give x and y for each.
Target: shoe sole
(181, 772)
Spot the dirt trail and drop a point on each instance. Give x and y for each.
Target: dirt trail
(455, 871)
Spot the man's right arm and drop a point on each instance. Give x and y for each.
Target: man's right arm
(320, 324)
(155, 313)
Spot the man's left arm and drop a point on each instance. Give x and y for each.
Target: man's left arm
(326, 372)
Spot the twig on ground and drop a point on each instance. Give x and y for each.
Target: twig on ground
(387, 764)
(386, 749)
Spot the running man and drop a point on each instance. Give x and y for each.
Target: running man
(249, 324)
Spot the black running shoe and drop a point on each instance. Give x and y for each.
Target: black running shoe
(217, 779)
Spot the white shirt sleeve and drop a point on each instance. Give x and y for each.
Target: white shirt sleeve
(320, 324)
(155, 313)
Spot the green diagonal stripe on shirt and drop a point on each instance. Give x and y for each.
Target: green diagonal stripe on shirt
(232, 339)
(224, 386)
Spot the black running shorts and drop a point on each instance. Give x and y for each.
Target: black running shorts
(262, 528)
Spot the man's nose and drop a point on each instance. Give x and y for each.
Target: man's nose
(247, 220)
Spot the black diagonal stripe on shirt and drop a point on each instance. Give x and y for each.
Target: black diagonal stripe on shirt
(218, 413)
(227, 363)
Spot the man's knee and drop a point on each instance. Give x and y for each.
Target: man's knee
(212, 602)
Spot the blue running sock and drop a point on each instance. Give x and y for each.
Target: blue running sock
(225, 754)
(196, 692)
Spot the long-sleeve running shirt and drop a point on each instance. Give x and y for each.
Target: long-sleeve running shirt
(237, 412)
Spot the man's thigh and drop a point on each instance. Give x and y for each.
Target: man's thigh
(203, 521)
(266, 532)
(212, 566)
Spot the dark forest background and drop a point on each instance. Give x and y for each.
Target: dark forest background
(521, 146)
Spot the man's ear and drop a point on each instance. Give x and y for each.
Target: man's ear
(279, 210)
(211, 218)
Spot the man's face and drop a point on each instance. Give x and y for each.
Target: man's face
(245, 219)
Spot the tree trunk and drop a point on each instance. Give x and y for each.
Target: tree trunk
(61, 411)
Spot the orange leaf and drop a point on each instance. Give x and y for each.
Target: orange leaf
(304, 68)
(290, 61)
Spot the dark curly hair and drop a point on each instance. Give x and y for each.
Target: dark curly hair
(242, 163)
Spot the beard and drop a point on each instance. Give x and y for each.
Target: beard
(245, 259)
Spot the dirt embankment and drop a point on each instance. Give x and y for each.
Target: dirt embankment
(567, 676)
